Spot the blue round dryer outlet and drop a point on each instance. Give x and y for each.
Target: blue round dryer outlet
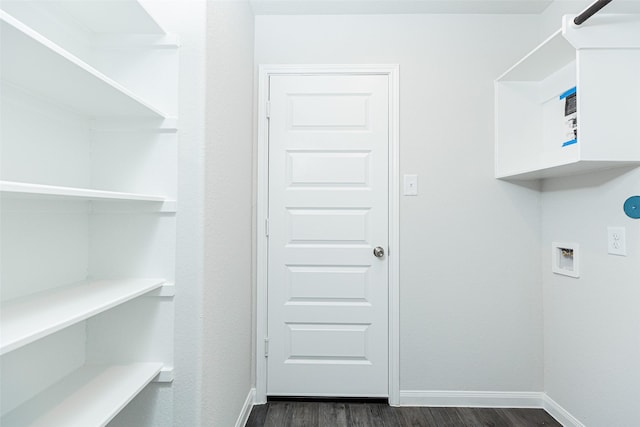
(632, 207)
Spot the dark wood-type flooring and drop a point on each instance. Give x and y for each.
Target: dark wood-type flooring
(334, 414)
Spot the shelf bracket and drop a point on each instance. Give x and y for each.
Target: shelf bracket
(168, 289)
(165, 375)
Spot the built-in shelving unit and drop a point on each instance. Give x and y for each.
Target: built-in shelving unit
(29, 318)
(88, 186)
(601, 60)
(90, 396)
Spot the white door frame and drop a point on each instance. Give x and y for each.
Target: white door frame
(262, 211)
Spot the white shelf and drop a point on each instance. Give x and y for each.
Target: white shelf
(565, 169)
(551, 55)
(36, 64)
(21, 189)
(110, 17)
(91, 396)
(27, 319)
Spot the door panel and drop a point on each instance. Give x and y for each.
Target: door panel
(329, 169)
(328, 209)
(307, 343)
(336, 112)
(346, 226)
(328, 283)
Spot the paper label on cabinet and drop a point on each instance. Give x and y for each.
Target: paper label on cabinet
(570, 117)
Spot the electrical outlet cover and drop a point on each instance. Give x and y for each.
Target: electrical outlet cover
(617, 241)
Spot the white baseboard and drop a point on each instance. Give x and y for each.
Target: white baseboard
(246, 408)
(475, 399)
(489, 399)
(559, 413)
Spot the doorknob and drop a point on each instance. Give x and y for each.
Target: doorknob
(378, 252)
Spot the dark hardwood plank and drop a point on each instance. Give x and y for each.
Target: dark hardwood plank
(359, 415)
(413, 417)
(347, 414)
(384, 413)
(279, 414)
(258, 416)
(469, 417)
(489, 417)
(305, 414)
(332, 414)
(446, 417)
(528, 417)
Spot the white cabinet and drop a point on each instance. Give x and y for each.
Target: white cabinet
(88, 211)
(601, 60)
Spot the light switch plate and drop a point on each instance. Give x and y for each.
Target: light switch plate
(617, 241)
(410, 185)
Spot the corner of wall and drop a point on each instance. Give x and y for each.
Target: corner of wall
(243, 417)
(227, 347)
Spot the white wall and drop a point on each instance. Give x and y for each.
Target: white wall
(471, 313)
(592, 351)
(188, 357)
(227, 323)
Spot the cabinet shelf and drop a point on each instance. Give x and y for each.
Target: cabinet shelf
(91, 396)
(30, 318)
(551, 55)
(21, 190)
(564, 169)
(36, 64)
(600, 62)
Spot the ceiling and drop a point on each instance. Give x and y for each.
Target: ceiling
(341, 7)
(376, 7)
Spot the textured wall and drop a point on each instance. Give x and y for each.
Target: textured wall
(227, 322)
(592, 352)
(471, 313)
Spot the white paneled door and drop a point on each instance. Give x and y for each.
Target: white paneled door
(328, 214)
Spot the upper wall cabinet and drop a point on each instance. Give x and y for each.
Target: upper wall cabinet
(571, 105)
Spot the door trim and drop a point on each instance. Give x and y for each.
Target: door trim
(262, 210)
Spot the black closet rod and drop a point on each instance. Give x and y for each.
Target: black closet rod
(590, 11)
